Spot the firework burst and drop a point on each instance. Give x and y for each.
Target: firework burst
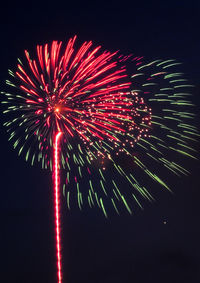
(107, 106)
(113, 117)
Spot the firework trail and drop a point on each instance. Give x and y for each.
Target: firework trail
(120, 119)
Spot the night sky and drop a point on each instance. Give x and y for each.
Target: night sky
(157, 245)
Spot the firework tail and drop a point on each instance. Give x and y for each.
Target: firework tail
(56, 183)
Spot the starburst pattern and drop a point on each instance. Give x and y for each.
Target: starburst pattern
(116, 113)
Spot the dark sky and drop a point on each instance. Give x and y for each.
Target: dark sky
(124, 249)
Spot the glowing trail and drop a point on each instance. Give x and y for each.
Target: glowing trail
(57, 205)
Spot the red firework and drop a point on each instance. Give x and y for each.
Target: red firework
(83, 95)
(86, 96)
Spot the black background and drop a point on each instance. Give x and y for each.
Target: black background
(124, 249)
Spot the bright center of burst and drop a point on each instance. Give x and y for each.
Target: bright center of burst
(57, 108)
